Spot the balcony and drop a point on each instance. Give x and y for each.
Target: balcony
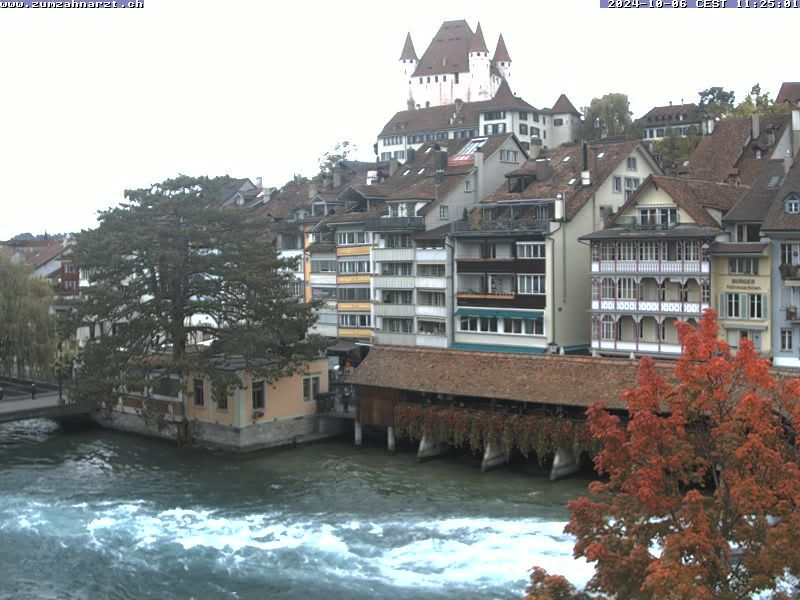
(393, 254)
(789, 271)
(396, 223)
(501, 265)
(431, 255)
(650, 306)
(423, 310)
(431, 341)
(431, 283)
(792, 314)
(651, 266)
(383, 309)
(386, 338)
(504, 300)
(644, 347)
(633, 223)
(394, 282)
(502, 226)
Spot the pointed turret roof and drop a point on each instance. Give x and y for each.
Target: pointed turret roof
(478, 44)
(408, 49)
(564, 107)
(501, 52)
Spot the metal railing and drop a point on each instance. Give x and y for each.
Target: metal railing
(383, 223)
(634, 223)
(502, 225)
(335, 404)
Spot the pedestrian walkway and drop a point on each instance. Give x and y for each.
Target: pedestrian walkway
(18, 402)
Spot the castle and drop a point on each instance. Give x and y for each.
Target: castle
(456, 65)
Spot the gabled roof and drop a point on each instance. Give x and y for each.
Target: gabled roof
(501, 52)
(536, 379)
(447, 52)
(564, 107)
(728, 148)
(756, 201)
(478, 44)
(408, 49)
(789, 92)
(452, 116)
(671, 114)
(566, 163)
(289, 198)
(777, 218)
(694, 196)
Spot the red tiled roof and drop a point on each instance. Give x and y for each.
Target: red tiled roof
(408, 49)
(478, 44)
(695, 196)
(501, 52)
(527, 378)
(789, 92)
(777, 218)
(447, 52)
(564, 107)
(671, 114)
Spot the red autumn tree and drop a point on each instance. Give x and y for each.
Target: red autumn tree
(702, 496)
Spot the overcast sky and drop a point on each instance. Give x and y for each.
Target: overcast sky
(96, 101)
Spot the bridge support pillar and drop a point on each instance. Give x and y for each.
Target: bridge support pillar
(390, 442)
(494, 456)
(430, 447)
(357, 432)
(565, 463)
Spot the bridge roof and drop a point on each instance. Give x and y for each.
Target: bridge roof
(541, 379)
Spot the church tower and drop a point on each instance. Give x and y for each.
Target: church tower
(502, 60)
(479, 69)
(408, 64)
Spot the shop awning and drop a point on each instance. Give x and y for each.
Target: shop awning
(493, 312)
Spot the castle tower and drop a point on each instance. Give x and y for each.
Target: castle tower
(479, 68)
(501, 60)
(408, 64)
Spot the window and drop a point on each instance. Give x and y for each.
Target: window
(468, 185)
(743, 266)
(558, 122)
(494, 129)
(530, 249)
(786, 339)
(468, 324)
(296, 288)
(508, 155)
(705, 294)
(323, 266)
(398, 240)
(353, 266)
(481, 324)
(456, 77)
(311, 385)
(398, 325)
(323, 293)
(627, 251)
(731, 304)
(430, 270)
(488, 250)
(199, 392)
(355, 320)
(535, 132)
(523, 128)
(353, 294)
(397, 268)
(398, 297)
(607, 289)
(630, 163)
(352, 238)
(257, 395)
(536, 117)
(617, 184)
(431, 328)
(607, 328)
(626, 288)
(530, 284)
(788, 254)
(748, 232)
(523, 326)
(221, 400)
(756, 306)
(649, 250)
(443, 210)
(494, 115)
(793, 204)
(431, 298)
(688, 251)
(523, 116)
(608, 251)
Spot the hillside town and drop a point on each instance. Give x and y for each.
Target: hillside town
(577, 292)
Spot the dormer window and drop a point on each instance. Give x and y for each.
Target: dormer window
(421, 171)
(792, 204)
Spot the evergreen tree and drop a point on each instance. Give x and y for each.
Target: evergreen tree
(608, 116)
(168, 269)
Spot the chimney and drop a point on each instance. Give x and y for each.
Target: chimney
(787, 161)
(441, 161)
(312, 190)
(756, 124)
(393, 166)
(543, 169)
(259, 183)
(586, 175)
(795, 130)
(479, 184)
(337, 177)
(709, 124)
(411, 156)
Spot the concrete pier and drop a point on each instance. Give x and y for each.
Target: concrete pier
(357, 432)
(565, 463)
(390, 442)
(494, 456)
(430, 447)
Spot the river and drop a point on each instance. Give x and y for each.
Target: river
(97, 514)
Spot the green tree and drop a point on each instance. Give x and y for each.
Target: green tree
(766, 105)
(169, 268)
(673, 150)
(716, 102)
(608, 116)
(341, 151)
(27, 329)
